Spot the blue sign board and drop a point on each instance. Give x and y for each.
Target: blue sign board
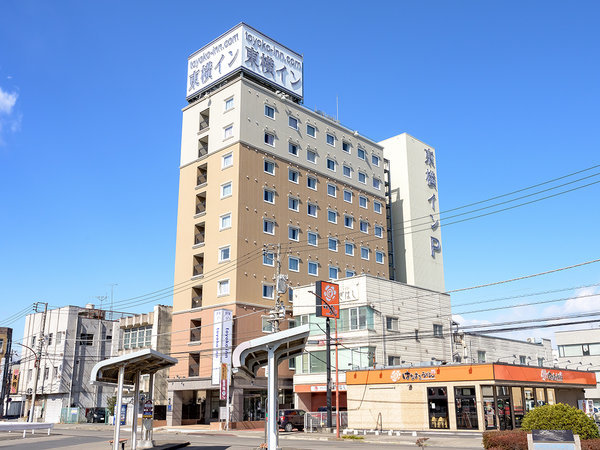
(123, 414)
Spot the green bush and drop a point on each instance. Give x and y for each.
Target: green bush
(505, 440)
(560, 417)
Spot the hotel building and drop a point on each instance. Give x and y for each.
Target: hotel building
(264, 179)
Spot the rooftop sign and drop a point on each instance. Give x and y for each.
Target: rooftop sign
(244, 49)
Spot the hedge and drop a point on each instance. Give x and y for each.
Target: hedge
(560, 417)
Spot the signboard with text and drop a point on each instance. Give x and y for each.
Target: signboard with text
(222, 342)
(328, 300)
(224, 379)
(245, 49)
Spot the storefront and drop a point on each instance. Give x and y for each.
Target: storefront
(458, 397)
(311, 397)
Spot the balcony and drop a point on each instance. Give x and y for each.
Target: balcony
(198, 266)
(202, 177)
(199, 238)
(201, 204)
(203, 147)
(197, 297)
(204, 121)
(195, 329)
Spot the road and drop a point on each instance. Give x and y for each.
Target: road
(95, 440)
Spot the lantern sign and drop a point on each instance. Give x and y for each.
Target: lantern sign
(328, 300)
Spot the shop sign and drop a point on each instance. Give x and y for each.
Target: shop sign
(224, 379)
(536, 374)
(549, 375)
(14, 383)
(328, 300)
(244, 48)
(431, 181)
(412, 375)
(222, 341)
(323, 388)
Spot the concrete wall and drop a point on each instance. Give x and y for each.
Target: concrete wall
(500, 348)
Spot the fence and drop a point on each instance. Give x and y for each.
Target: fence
(316, 421)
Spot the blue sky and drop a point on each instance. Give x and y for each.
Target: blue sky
(90, 100)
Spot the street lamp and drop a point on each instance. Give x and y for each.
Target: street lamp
(511, 356)
(570, 363)
(588, 365)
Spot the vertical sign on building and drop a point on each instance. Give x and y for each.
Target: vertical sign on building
(328, 300)
(224, 381)
(222, 333)
(431, 180)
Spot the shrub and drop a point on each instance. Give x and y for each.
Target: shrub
(590, 444)
(560, 417)
(505, 440)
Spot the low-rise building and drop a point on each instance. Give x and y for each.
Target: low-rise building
(74, 339)
(480, 348)
(581, 349)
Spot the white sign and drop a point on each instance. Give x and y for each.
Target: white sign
(244, 48)
(320, 388)
(222, 341)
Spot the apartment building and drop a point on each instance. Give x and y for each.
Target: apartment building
(261, 175)
(382, 323)
(74, 339)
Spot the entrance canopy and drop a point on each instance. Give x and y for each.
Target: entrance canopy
(254, 354)
(145, 361)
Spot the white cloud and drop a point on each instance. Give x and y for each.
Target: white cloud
(7, 101)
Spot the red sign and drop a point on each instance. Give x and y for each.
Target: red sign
(328, 300)
(224, 376)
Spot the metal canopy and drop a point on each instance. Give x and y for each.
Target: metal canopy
(144, 361)
(254, 354)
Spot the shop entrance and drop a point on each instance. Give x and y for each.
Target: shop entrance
(504, 408)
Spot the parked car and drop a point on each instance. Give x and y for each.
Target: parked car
(291, 418)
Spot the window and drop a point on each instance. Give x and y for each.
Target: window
(332, 244)
(364, 226)
(349, 221)
(364, 253)
(226, 190)
(269, 167)
(268, 195)
(376, 183)
(222, 287)
(293, 149)
(195, 330)
(331, 164)
(293, 204)
(269, 259)
(416, 335)
(310, 130)
(347, 171)
(379, 257)
(358, 318)
(350, 273)
(267, 326)
(378, 230)
(333, 273)
(59, 337)
(312, 238)
(362, 177)
(293, 175)
(86, 339)
(331, 190)
(347, 196)
(228, 132)
(375, 160)
(225, 221)
(523, 359)
(311, 182)
(46, 372)
(270, 139)
(268, 226)
(480, 356)
(394, 361)
(313, 268)
(50, 335)
(54, 372)
(293, 122)
(330, 139)
(311, 156)
(311, 209)
(269, 111)
(362, 201)
(293, 233)
(268, 291)
(346, 147)
(377, 207)
(331, 216)
(349, 249)
(227, 160)
(229, 104)
(391, 323)
(293, 264)
(224, 254)
(361, 154)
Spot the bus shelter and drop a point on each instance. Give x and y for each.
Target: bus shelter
(269, 351)
(126, 370)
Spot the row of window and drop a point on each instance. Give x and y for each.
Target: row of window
(329, 137)
(294, 175)
(313, 266)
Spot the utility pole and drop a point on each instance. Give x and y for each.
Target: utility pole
(112, 289)
(278, 312)
(38, 356)
(100, 298)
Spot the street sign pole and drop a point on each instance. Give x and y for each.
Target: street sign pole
(328, 360)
